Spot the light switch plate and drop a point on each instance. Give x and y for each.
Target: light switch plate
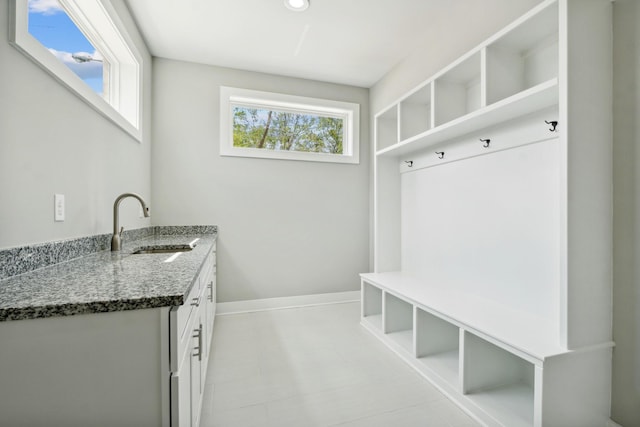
(58, 207)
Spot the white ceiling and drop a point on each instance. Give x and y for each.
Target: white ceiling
(353, 42)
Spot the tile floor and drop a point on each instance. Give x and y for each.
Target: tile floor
(314, 366)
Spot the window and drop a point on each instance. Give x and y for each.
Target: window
(278, 126)
(84, 45)
(50, 24)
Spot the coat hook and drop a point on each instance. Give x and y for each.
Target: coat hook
(409, 162)
(553, 124)
(486, 142)
(440, 154)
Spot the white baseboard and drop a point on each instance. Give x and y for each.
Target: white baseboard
(249, 306)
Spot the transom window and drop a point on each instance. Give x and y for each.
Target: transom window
(85, 46)
(278, 126)
(50, 24)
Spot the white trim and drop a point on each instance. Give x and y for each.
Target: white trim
(348, 111)
(101, 25)
(249, 306)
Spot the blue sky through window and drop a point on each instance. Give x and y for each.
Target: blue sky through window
(52, 27)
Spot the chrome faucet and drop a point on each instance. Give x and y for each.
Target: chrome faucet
(116, 239)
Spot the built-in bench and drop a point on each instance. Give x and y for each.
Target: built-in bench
(492, 360)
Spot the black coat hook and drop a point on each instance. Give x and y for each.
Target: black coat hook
(409, 162)
(486, 142)
(553, 124)
(440, 154)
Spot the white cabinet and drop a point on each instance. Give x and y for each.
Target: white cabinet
(134, 367)
(492, 222)
(191, 328)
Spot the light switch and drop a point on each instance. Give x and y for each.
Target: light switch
(58, 206)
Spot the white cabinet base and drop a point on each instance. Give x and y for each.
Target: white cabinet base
(106, 369)
(497, 382)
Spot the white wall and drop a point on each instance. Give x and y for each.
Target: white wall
(52, 142)
(285, 227)
(625, 408)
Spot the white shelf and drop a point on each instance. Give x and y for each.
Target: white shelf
(444, 365)
(458, 90)
(528, 101)
(523, 56)
(398, 314)
(371, 300)
(415, 113)
(493, 259)
(510, 406)
(494, 322)
(374, 321)
(403, 338)
(386, 128)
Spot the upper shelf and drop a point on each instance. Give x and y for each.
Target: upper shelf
(530, 100)
(512, 74)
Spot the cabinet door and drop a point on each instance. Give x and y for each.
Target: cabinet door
(197, 362)
(180, 395)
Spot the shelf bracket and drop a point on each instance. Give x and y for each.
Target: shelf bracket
(553, 123)
(486, 142)
(440, 154)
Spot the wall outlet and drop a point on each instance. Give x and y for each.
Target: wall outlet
(58, 207)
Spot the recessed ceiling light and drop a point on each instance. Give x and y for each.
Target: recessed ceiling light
(297, 5)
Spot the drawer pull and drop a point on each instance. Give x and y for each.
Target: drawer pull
(210, 285)
(198, 349)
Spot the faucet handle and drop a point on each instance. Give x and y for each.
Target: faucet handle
(121, 230)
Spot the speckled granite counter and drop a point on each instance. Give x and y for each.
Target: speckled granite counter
(109, 281)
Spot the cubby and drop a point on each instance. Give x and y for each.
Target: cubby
(372, 305)
(525, 56)
(386, 130)
(398, 321)
(492, 259)
(415, 113)
(437, 346)
(499, 381)
(458, 92)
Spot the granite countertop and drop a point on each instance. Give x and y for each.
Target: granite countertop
(107, 281)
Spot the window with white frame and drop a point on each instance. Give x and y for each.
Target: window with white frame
(84, 45)
(278, 126)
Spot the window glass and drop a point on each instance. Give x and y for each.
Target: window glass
(289, 127)
(54, 29)
(86, 47)
(271, 129)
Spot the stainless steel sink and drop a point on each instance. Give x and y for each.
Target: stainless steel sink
(161, 249)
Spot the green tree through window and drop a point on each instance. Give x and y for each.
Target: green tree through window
(286, 131)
